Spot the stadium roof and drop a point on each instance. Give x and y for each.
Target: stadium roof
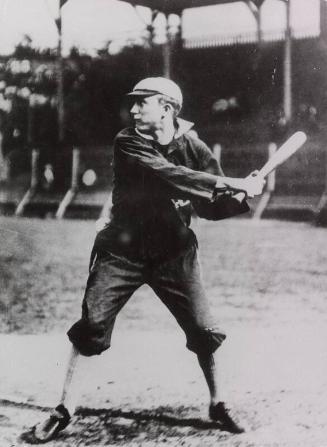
(177, 6)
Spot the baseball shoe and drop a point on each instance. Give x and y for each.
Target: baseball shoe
(219, 413)
(49, 429)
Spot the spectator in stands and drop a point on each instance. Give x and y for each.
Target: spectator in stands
(159, 170)
(307, 117)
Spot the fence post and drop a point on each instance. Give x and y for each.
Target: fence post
(35, 157)
(70, 194)
(75, 168)
(320, 213)
(35, 168)
(271, 181)
(216, 150)
(4, 163)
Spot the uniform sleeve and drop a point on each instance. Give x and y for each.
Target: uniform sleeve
(180, 181)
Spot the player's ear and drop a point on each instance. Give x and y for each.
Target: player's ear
(168, 108)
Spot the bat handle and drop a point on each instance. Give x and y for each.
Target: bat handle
(256, 173)
(266, 170)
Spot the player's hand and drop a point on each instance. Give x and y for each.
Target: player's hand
(253, 174)
(101, 223)
(239, 196)
(254, 184)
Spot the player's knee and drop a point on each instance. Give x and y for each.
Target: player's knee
(205, 340)
(89, 340)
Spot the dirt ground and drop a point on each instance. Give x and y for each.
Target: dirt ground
(266, 282)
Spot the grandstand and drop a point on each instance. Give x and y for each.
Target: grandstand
(241, 106)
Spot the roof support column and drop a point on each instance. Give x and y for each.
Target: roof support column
(166, 51)
(287, 100)
(256, 11)
(173, 33)
(60, 76)
(323, 21)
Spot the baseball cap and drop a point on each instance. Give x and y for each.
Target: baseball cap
(158, 86)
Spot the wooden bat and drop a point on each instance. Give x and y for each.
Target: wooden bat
(283, 153)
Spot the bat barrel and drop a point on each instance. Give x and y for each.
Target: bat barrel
(284, 152)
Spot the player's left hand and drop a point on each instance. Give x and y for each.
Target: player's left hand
(239, 196)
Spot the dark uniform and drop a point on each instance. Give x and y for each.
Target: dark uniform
(148, 240)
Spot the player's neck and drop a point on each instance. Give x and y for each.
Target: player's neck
(165, 133)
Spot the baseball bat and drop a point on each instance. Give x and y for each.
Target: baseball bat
(283, 153)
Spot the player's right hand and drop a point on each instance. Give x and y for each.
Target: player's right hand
(101, 223)
(253, 185)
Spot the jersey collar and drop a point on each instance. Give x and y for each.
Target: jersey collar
(183, 127)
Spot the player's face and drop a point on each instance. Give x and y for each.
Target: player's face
(147, 113)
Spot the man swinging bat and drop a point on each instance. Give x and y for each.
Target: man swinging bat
(160, 174)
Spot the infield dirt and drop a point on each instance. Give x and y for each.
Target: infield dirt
(267, 284)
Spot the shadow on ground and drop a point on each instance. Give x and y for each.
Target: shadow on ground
(164, 425)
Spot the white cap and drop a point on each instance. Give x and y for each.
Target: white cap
(158, 86)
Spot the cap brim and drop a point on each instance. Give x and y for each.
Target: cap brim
(143, 93)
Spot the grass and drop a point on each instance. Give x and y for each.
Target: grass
(255, 269)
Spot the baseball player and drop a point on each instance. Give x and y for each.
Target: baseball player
(161, 174)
